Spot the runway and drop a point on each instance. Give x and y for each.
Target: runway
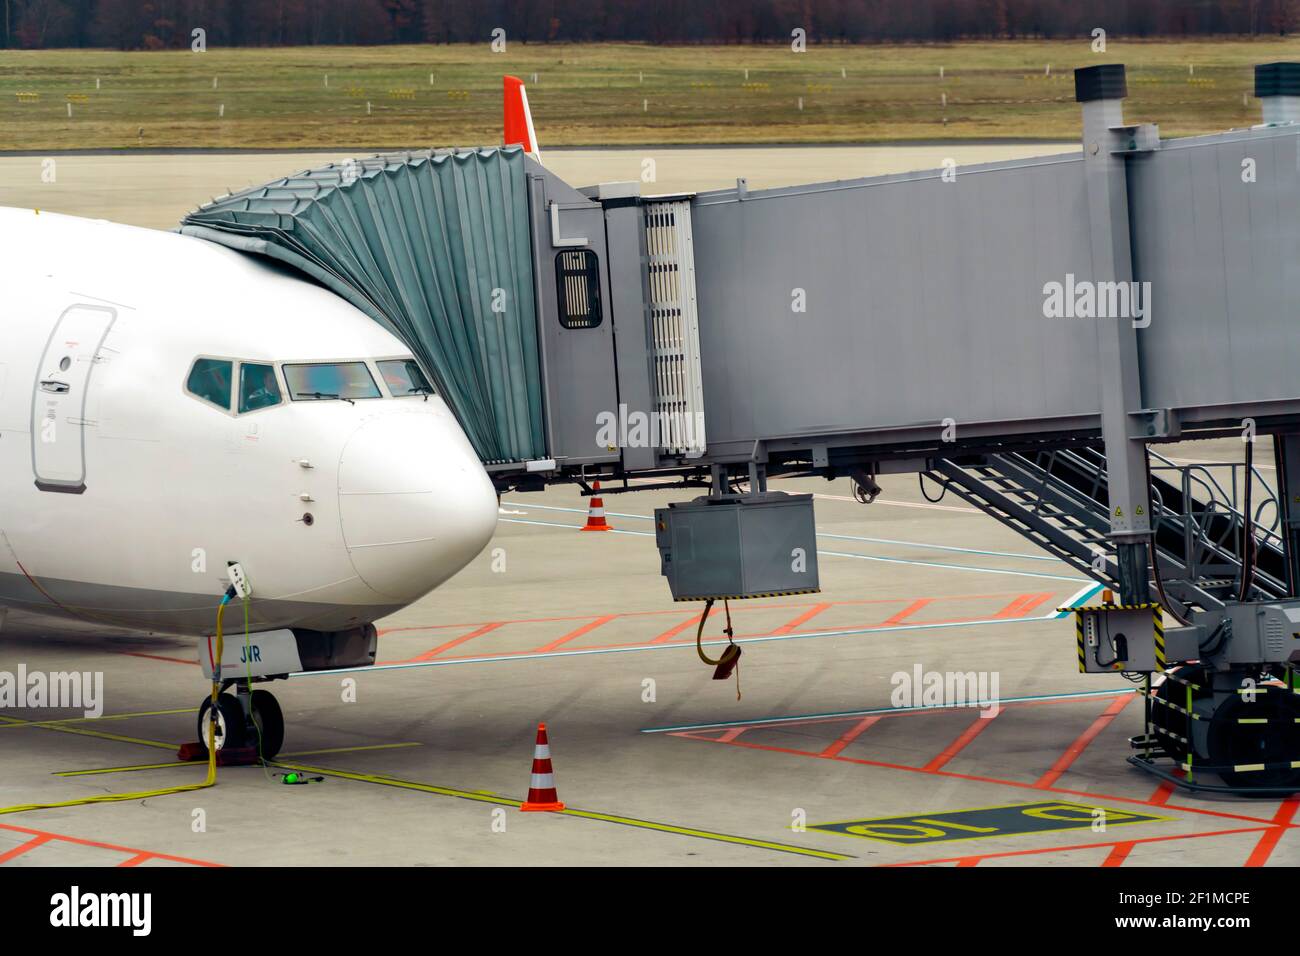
(157, 189)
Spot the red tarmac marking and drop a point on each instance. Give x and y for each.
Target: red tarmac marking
(976, 728)
(1122, 850)
(22, 848)
(1119, 854)
(975, 778)
(160, 657)
(906, 612)
(456, 642)
(1023, 605)
(972, 860)
(597, 620)
(1268, 842)
(134, 854)
(803, 618)
(850, 735)
(676, 629)
(1076, 749)
(577, 632)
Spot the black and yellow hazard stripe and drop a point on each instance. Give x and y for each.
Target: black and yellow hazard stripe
(1158, 621)
(745, 597)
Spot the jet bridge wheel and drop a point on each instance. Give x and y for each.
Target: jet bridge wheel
(1262, 731)
(1173, 692)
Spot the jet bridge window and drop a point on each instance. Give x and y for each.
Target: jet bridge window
(333, 380)
(577, 283)
(257, 387)
(210, 380)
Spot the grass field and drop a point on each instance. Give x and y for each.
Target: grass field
(609, 94)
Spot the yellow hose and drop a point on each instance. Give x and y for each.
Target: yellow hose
(118, 797)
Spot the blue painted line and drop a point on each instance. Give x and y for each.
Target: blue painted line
(849, 554)
(1081, 695)
(1079, 597)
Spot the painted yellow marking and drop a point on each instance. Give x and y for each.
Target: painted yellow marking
(143, 766)
(15, 722)
(983, 822)
(344, 750)
(483, 797)
(120, 738)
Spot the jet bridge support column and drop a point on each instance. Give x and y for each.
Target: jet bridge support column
(1101, 91)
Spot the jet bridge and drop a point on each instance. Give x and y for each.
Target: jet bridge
(1019, 333)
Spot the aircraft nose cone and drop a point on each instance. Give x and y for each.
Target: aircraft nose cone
(415, 503)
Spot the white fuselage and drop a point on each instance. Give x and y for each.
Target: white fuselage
(123, 495)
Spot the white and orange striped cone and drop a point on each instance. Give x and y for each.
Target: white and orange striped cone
(596, 512)
(541, 788)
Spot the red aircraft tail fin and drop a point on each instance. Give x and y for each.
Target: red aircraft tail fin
(519, 118)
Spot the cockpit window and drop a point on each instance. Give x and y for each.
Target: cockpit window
(257, 387)
(335, 380)
(210, 380)
(403, 377)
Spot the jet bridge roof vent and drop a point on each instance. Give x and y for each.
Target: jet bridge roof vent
(1103, 82)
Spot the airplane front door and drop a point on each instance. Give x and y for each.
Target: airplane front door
(59, 400)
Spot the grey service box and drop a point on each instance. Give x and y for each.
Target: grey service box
(738, 546)
(1113, 637)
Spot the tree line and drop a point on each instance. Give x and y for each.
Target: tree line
(169, 24)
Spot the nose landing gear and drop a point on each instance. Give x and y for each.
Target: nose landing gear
(245, 719)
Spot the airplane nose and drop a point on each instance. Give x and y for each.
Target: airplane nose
(415, 503)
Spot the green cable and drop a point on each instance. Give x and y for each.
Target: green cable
(248, 670)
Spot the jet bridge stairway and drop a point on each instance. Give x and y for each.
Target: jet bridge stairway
(1058, 499)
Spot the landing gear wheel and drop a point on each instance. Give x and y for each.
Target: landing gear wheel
(270, 721)
(1175, 721)
(1277, 740)
(229, 731)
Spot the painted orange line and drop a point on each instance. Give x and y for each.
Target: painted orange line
(1163, 793)
(1268, 842)
(477, 632)
(1023, 605)
(160, 657)
(735, 610)
(22, 848)
(63, 838)
(730, 735)
(969, 861)
(803, 618)
(850, 735)
(957, 746)
(977, 778)
(1075, 749)
(911, 712)
(136, 860)
(1119, 854)
(1076, 846)
(577, 632)
(673, 631)
(906, 612)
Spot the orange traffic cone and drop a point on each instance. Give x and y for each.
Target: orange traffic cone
(541, 788)
(596, 513)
